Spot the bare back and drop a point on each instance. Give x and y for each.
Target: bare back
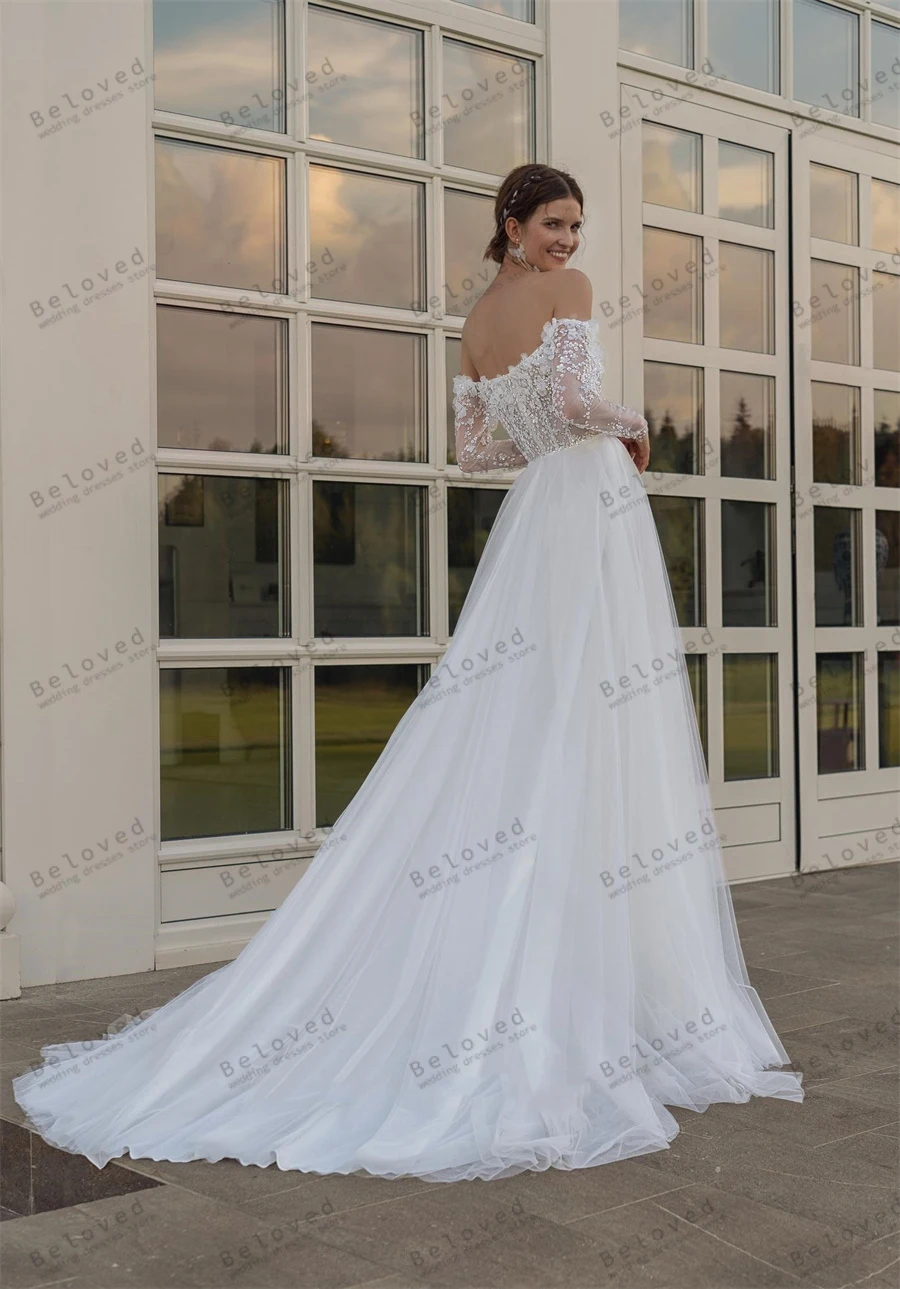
(508, 320)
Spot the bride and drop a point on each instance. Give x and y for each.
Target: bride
(520, 947)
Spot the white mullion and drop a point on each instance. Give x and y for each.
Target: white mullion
(700, 34)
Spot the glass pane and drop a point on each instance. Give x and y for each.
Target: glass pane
(660, 28)
(747, 425)
(887, 567)
(221, 380)
(748, 564)
(889, 709)
(468, 227)
(222, 60)
(887, 438)
(673, 297)
(838, 550)
(370, 559)
(750, 715)
(833, 204)
(521, 9)
(746, 298)
(226, 574)
(834, 302)
(743, 41)
(366, 238)
(885, 214)
(835, 424)
(698, 680)
(225, 751)
(826, 56)
(839, 711)
(368, 394)
(673, 407)
(679, 522)
(365, 83)
(357, 710)
(885, 60)
(672, 166)
(746, 185)
(487, 114)
(886, 320)
(470, 515)
(219, 216)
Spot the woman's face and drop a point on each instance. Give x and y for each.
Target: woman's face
(551, 234)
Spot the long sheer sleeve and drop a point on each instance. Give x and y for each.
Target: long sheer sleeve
(476, 449)
(576, 399)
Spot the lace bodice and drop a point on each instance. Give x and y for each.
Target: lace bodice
(551, 399)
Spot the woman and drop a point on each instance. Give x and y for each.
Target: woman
(518, 947)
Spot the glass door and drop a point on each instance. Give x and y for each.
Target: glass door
(705, 320)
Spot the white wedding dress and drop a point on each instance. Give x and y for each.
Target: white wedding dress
(518, 946)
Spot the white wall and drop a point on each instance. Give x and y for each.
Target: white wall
(78, 481)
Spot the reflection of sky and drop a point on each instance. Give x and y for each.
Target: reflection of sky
(658, 28)
(219, 215)
(745, 298)
(672, 394)
(832, 202)
(468, 225)
(834, 334)
(494, 129)
(666, 257)
(743, 40)
(672, 164)
(885, 56)
(886, 320)
(825, 56)
(885, 215)
(521, 9)
(382, 97)
(212, 56)
(745, 184)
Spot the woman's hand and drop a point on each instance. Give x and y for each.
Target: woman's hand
(639, 449)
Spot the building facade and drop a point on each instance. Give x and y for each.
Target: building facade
(240, 239)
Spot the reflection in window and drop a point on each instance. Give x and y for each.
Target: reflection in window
(673, 407)
(747, 425)
(886, 321)
(368, 394)
(748, 564)
(225, 751)
(835, 425)
(839, 712)
(746, 298)
(746, 184)
(885, 59)
(221, 380)
(222, 557)
(838, 552)
(743, 41)
(887, 438)
(365, 82)
(826, 56)
(659, 28)
(887, 567)
(750, 715)
(222, 60)
(834, 312)
(357, 709)
(672, 167)
(370, 557)
(366, 238)
(487, 113)
(679, 522)
(468, 227)
(470, 515)
(885, 214)
(219, 216)
(833, 204)
(889, 709)
(673, 292)
(699, 682)
(521, 9)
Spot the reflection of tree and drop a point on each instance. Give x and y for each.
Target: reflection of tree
(887, 455)
(677, 520)
(743, 446)
(322, 443)
(671, 452)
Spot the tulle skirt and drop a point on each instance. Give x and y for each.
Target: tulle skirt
(518, 947)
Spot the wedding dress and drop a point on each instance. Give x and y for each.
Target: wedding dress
(517, 947)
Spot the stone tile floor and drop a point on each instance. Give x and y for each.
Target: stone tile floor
(769, 1193)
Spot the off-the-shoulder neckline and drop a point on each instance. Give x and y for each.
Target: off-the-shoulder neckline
(546, 332)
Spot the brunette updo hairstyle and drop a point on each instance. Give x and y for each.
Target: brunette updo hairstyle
(522, 191)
